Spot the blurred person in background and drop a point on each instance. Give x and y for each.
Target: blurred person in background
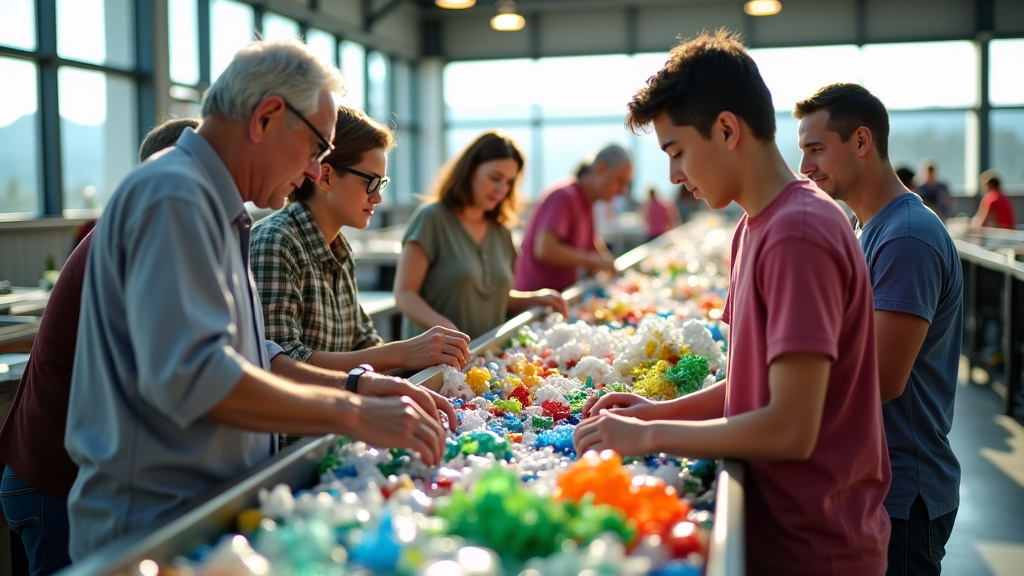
(457, 260)
(934, 193)
(561, 237)
(995, 209)
(906, 177)
(660, 215)
(687, 204)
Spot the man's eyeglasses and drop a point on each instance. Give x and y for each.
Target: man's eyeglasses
(324, 147)
(373, 183)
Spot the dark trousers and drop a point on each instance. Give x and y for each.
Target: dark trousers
(40, 520)
(917, 545)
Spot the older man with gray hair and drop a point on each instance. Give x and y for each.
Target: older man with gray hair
(171, 393)
(561, 237)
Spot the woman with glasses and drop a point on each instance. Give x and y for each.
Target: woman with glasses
(457, 262)
(305, 271)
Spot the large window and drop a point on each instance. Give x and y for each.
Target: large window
(183, 32)
(277, 27)
(323, 44)
(378, 103)
(818, 66)
(1006, 123)
(490, 90)
(915, 81)
(1007, 147)
(402, 161)
(935, 136)
(559, 111)
(96, 31)
(1006, 82)
(70, 122)
(922, 74)
(231, 29)
(572, 105)
(77, 80)
(353, 67)
(20, 185)
(98, 144)
(18, 26)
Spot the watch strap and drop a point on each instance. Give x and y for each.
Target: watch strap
(352, 382)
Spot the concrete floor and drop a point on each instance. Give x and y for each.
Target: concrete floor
(988, 537)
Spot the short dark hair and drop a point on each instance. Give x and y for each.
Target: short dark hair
(906, 176)
(164, 135)
(849, 107)
(355, 133)
(454, 185)
(703, 77)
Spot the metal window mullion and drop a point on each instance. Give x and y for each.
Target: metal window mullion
(203, 25)
(49, 109)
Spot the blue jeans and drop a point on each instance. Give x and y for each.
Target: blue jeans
(40, 520)
(917, 545)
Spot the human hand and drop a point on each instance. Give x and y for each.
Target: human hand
(551, 299)
(439, 345)
(613, 400)
(382, 386)
(601, 262)
(606, 430)
(399, 422)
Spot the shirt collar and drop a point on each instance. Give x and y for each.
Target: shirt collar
(338, 249)
(224, 187)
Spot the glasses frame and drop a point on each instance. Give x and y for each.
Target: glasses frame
(325, 147)
(381, 181)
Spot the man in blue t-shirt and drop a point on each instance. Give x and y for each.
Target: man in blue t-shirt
(917, 284)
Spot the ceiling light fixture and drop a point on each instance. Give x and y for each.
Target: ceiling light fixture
(762, 7)
(507, 19)
(455, 4)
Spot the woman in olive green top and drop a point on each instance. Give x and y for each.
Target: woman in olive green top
(457, 262)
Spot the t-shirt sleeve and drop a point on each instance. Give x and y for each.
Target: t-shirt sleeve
(906, 276)
(554, 214)
(178, 310)
(276, 272)
(424, 229)
(733, 250)
(803, 285)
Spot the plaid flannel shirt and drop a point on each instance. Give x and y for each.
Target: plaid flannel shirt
(307, 287)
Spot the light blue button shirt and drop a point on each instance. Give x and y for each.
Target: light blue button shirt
(168, 322)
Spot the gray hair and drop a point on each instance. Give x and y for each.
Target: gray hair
(611, 155)
(283, 67)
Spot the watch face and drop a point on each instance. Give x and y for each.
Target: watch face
(353, 378)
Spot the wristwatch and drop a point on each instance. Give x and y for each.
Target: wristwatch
(353, 377)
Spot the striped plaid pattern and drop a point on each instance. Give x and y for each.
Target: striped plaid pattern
(307, 287)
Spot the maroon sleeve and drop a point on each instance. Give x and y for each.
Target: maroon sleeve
(555, 213)
(803, 285)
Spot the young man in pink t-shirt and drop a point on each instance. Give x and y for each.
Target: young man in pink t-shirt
(801, 403)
